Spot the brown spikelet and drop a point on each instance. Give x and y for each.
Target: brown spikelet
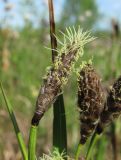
(90, 99)
(58, 74)
(53, 83)
(112, 107)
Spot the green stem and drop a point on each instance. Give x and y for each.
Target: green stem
(93, 141)
(101, 148)
(22, 146)
(78, 151)
(32, 143)
(114, 140)
(15, 125)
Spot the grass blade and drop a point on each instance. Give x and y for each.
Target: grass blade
(59, 125)
(16, 128)
(59, 122)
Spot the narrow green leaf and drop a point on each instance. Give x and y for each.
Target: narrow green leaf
(59, 125)
(16, 128)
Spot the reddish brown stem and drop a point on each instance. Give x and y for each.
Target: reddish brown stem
(52, 29)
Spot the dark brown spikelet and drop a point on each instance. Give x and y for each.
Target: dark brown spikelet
(90, 101)
(52, 85)
(112, 107)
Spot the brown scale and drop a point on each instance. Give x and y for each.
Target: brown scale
(90, 101)
(112, 107)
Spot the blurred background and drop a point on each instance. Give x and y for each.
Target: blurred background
(24, 34)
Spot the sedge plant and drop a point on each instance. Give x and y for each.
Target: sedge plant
(57, 76)
(64, 59)
(94, 114)
(50, 92)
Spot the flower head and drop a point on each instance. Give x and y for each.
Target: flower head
(58, 73)
(112, 107)
(90, 99)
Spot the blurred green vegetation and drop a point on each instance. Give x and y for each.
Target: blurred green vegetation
(80, 12)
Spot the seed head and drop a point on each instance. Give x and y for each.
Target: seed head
(58, 74)
(112, 107)
(90, 99)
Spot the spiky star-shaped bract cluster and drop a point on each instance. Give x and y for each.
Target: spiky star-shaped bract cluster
(112, 107)
(90, 101)
(57, 75)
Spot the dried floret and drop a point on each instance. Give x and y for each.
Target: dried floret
(90, 100)
(112, 107)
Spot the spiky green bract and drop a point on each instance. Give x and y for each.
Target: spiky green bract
(55, 155)
(57, 76)
(112, 107)
(90, 100)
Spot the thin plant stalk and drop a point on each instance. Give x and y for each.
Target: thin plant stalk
(59, 122)
(19, 136)
(114, 141)
(93, 141)
(78, 151)
(52, 29)
(32, 143)
(101, 148)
